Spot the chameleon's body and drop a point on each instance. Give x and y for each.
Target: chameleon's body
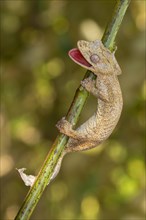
(95, 57)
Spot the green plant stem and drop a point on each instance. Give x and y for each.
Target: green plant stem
(73, 114)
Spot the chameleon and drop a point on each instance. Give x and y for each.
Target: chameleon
(93, 56)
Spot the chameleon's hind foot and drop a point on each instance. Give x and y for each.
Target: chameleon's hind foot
(64, 126)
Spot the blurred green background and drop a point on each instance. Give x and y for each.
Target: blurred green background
(38, 84)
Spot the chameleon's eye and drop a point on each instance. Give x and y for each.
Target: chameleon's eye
(94, 58)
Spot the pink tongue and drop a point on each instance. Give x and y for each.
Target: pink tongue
(76, 56)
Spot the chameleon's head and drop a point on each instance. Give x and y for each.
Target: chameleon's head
(95, 57)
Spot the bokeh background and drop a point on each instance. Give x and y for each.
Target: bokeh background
(38, 84)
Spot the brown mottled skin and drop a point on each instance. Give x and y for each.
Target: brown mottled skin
(106, 89)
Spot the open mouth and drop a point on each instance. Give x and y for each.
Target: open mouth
(78, 58)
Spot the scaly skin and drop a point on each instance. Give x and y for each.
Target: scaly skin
(106, 88)
(95, 57)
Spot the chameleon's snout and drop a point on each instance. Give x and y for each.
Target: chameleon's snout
(78, 58)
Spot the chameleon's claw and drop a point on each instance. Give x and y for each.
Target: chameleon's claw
(88, 84)
(64, 126)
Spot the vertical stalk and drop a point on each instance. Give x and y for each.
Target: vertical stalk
(113, 26)
(73, 114)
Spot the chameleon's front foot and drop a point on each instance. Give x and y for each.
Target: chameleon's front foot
(64, 126)
(89, 85)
